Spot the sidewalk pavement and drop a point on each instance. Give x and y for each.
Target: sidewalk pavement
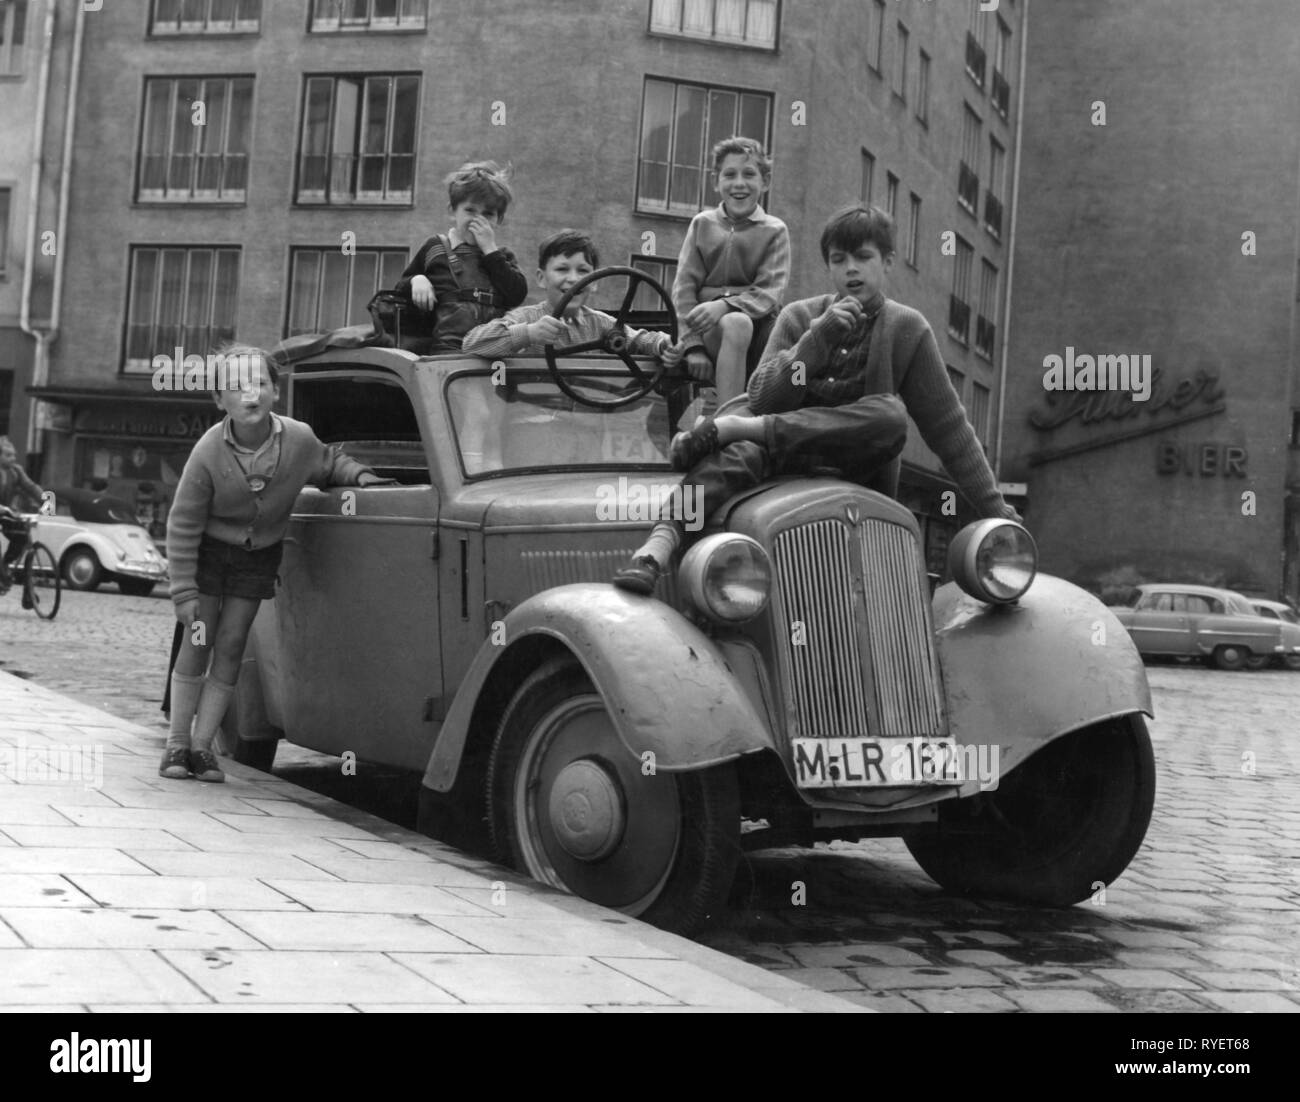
(121, 891)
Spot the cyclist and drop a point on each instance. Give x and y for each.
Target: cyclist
(14, 486)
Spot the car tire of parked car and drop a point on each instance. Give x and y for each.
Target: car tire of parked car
(1059, 826)
(81, 569)
(135, 587)
(1228, 656)
(1292, 661)
(572, 807)
(1257, 662)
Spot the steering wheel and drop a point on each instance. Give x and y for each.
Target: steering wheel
(615, 341)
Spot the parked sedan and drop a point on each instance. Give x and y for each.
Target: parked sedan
(1198, 621)
(95, 538)
(1276, 610)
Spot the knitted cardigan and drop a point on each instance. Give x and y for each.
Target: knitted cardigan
(903, 359)
(213, 497)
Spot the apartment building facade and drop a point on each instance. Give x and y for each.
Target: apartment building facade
(250, 170)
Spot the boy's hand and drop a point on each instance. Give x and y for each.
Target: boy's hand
(839, 319)
(485, 236)
(705, 316)
(187, 612)
(547, 330)
(369, 478)
(671, 356)
(699, 367)
(422, 292)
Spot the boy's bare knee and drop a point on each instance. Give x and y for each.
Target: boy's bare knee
(737, 327)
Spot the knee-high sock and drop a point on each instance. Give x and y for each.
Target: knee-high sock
(663, 541)
(185, 701)
(211, 711)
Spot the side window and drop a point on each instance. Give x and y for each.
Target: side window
(370, 418)
(1178, 602)
(1211, 604)
(1264, 610)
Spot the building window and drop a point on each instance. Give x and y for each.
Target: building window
(959, 300)
(188, 157)
(923, 88)
(900, 64)
(891, 194)
(958, 381)
(968, 180)
(184, 298)
(993, 197)
(661, 269)
(1295, 428)
(913, 245)
(1001, 66)
(5, 195)
(975, 53)
(868, 176)
(328, 289)
(206, 17)
(368, 15)
(735, 22)
(358, 140)
(13, 35)
(979, 412)
(986, 330)
(876, 35)
(680, 124)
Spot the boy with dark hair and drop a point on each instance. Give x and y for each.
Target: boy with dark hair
(840, 375)
(463, 278)
(563, 259)
(732, 270)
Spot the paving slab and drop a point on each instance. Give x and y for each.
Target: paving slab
(146, 895)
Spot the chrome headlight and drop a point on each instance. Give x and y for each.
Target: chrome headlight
(993, 560)
(727, 577)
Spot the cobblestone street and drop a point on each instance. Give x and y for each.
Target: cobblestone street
(1206, 918)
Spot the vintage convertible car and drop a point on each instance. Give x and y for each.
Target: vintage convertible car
(799, 673)
(1199, 621)
(95, 538)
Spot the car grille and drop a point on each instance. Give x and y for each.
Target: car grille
(836, 611)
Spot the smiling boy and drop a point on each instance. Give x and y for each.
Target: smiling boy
(563, 259)
(224, 540)
(838, 379)
(733, 269)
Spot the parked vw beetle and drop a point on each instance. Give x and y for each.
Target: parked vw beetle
(796, 673)
(95, 538)
(1200, 621)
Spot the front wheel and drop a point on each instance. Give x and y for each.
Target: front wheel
(41, 581)
(1062, 824)
(569, 805)
(1292, 661)
(1229, 656)
(81, 569)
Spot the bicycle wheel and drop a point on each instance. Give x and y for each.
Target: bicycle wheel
(41, 581)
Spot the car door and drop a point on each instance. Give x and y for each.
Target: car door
(1158, 628)
(358, 602)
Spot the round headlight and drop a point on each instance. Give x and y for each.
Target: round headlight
(727, 577)
(993, 560)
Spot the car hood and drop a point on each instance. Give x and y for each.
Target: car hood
(567, 499)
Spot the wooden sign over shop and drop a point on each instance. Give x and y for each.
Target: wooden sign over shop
(154, 424)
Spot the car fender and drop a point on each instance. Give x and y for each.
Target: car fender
(1018, 676)
(667, 686)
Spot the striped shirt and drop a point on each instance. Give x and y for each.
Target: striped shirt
(508, 336)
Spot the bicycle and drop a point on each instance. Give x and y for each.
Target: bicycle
(42, 583)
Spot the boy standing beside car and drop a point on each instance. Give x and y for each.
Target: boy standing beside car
(840, 375)
(15, 485)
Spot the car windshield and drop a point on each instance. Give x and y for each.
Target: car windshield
(527, 423)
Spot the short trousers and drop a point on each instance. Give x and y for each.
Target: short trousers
(227, 570)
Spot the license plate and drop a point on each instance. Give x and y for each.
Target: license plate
(875, 762)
